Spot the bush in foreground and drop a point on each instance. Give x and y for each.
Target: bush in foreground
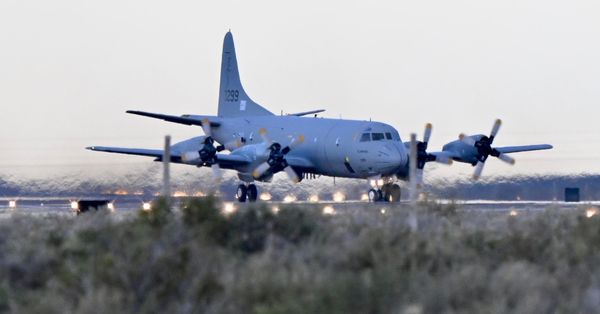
(200, 260)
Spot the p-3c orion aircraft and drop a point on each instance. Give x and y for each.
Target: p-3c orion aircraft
(256, 143)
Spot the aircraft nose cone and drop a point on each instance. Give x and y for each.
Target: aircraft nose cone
(389, 157)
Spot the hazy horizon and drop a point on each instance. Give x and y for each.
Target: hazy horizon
(70, 70)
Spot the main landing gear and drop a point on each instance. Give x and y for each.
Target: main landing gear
(388, 193)
(246, 192)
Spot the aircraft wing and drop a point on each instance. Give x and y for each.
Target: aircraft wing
(185, 119)
(524, 148)
(128, 151)
(226, 161)
(300, 163)
(445, 156)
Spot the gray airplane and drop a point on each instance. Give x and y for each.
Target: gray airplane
(256, 143)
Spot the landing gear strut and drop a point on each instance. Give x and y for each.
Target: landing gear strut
(388, 193)
(375, 195)
(249, 192)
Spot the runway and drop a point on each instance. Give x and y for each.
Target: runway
(130, 204)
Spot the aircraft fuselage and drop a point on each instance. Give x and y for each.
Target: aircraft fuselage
(335, 147)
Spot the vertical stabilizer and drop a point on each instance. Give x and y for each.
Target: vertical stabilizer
(233, 100)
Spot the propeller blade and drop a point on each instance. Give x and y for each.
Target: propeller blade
(260, 170)
(296, 141)
(427, 134)
(233, 145)
(478, 170)
(216, 170)
(507, 159)
(206, 127)
(263, 134)
(466, 139)
(189, 156)
(291, 174)
(293, 144)
(419, 178)
(443, 160)
(495, 129)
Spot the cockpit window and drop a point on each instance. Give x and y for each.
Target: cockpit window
(388, 136)
(377, 136)
(365, 137)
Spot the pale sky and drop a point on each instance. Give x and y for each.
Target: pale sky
(70, 69)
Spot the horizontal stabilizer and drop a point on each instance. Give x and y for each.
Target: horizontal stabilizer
(187, 120)
(524, 148)
(305, 113)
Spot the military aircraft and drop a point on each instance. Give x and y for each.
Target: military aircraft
(247, 138)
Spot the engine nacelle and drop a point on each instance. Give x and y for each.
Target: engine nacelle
(466, 153)
(189, 149)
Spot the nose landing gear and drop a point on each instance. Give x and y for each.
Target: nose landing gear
(388, 193)
(249, 192)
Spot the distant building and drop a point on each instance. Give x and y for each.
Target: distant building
(571, 194)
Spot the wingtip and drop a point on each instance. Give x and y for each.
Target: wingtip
(90, 148)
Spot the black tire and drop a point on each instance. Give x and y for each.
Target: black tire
(252, 193)
(395, 193)
(386, 190)
(242, 193)
(374, 195)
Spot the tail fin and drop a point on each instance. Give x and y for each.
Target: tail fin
(233, 100)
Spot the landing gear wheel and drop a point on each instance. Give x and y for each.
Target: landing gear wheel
(252, 193)
(385, 190)
(242, 193)
(375, 195)
(394, 193)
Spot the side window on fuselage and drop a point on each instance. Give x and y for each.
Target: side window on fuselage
(365, 137)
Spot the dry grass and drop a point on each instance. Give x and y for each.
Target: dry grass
(198, 260)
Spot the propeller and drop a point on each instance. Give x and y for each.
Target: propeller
(276, 161)
(423, 157)
(208, 153)
(485, 149)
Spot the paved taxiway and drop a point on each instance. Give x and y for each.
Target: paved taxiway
(129, 205)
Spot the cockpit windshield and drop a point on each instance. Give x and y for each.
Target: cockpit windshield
(377, 136)
(367, 137)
